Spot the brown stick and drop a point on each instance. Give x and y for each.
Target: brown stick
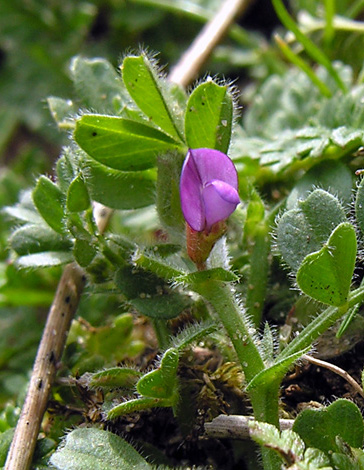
(337, 370)
(71, 283)
(45, 366)
(197, 54)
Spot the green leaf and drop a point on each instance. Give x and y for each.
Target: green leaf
(63, 112)
(276, 372)
(326, 275)
(116, 377)
(44, 259)
(307, 227)
(209, 116)
(164, 306)
(5, 441)
(84, 252)
(78, 199)
(31, 238)
(359, 206)
(320, 427)
(330, 175)
(119, 189)
(146, 89)
(139, 404)
(49, 201)
(162, 382)
(98, 84)
(87, 448)
(289, 446)
(120, 143)
(65, 168)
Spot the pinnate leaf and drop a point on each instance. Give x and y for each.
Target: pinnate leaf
(146, 89)
(120, 143)
(209, 116)
(49, 201)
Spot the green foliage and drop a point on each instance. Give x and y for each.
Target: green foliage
(115, 142)
(94, 448)
(209, 115)
(320, 428)
(290, 447)
(305, 228)
(326, 275)
(298, 145)
(146, 89)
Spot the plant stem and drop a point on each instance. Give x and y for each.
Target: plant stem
(300, 63)
(309, 46)
(162, 332)
(239, 328)
(329, 24)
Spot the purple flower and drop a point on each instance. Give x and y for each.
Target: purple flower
(208, 188)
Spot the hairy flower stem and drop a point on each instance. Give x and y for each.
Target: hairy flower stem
(238, 326)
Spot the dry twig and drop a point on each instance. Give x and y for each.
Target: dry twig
(236, 427)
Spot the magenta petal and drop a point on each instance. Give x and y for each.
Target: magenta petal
(220, 200)
(190, 191)
(214, 165)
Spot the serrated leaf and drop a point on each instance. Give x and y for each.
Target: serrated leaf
(31, 238)
(119, 189)
(87, 448)
(146, 89)
(44, 259)
(304, 229)
(98, 84)
(116, 377)
(320, 427)
(326, 275)
(49, 201)
(120, 143)
(78, 199)
(209, 115)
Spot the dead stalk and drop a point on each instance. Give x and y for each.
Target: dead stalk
(337, 370)
(236, 426)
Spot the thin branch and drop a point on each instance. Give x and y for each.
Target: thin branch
(337, 370)
(193, 59)
(61, 313)
(236, 427)
(71, 284)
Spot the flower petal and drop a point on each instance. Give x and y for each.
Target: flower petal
(214, 165)
(220, 200)
(191, 197)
